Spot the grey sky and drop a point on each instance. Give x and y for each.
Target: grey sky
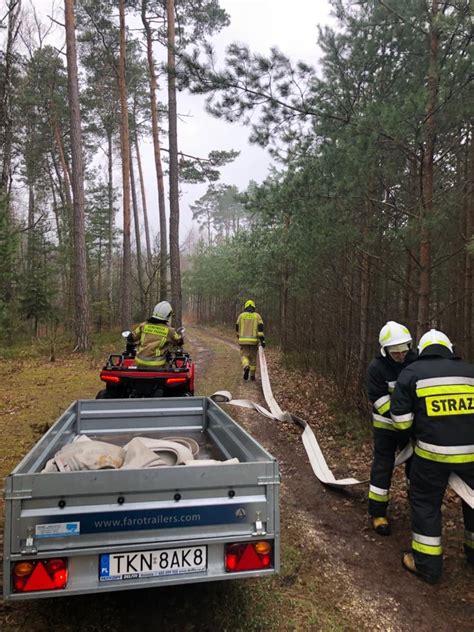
(292, 26)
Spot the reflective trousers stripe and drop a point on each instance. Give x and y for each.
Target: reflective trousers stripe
(378, 497)
(426, 548)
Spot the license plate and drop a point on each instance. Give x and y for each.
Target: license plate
(117, 566)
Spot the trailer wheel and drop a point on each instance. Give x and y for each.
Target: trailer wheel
(103, 394)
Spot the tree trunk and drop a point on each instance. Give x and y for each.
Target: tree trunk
(30, 224)
(110, 240)
(144, 202)
(136, 221)
(469, 256)
(126, 311)
(66, 179)
(157, 151)
(6, 121)
(175, 265)
(81, 316)
(424, 288)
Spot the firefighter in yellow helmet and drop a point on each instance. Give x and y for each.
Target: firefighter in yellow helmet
(249, 328)
(155, 338)
(395, 354)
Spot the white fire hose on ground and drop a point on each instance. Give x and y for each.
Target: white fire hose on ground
(316, 458)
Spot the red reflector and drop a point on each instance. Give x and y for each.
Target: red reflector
(243, 557)
(249, 560)
(39, 579)
(176, 380)
(110, 378)
(45, 575)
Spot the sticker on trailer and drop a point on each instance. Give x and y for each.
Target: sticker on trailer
(166, 518)
(155, 563)
(58, 530)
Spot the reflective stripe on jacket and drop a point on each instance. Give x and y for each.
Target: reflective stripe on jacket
(155, 340)
(381, 379)
(249, 328)
(434, 397)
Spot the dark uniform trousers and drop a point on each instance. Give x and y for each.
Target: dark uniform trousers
(429, 480)
(381, 378)
(386, 444)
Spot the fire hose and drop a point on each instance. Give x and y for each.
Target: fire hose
(316, 458)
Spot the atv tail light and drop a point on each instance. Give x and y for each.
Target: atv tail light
(248, 556)
(110, 378)
(35, 575)
(176, 380)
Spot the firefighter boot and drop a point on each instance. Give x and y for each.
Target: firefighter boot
(380, 525)
(246, 373)
(252, 377)
(408, 562)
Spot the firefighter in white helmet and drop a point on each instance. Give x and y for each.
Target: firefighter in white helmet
(433, 402)
(155, 338)
(395, 354)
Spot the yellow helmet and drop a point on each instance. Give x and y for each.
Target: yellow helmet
(249, 303)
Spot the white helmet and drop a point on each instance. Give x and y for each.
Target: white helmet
(392, 334)
(162, 311)
(434, 337)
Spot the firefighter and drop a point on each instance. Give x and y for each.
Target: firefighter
(434, 401)
(155, 338)
(249, 327)
(395, 353)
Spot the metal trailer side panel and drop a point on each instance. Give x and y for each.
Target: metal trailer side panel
(249, 488)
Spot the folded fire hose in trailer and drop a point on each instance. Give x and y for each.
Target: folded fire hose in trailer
(84, 453)
(315, 455)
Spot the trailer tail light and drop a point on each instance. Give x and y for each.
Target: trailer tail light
(248, 556)
(29, 576)
(176, 380)
(110, 378)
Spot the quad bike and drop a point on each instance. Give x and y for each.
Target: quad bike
(124, 378)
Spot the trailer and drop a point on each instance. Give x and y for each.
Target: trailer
(71, 533)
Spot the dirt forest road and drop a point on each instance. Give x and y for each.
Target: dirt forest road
(336, 574)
